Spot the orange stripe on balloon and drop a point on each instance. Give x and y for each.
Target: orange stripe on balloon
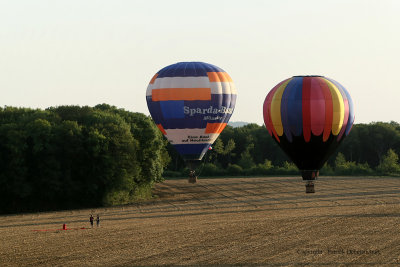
(306, 108)
(328, 108)
(219, 77)
(161, 129)
(215, 127)
(154, 78)
(166, 94)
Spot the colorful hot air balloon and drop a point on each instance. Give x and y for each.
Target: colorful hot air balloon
(308, 116)
(191, 103)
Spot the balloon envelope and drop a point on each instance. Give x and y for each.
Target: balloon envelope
(191, 103)
(308, 116)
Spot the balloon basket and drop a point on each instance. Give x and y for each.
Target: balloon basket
(310, 187)
(192, 180)
(192, 165)
(192, 177)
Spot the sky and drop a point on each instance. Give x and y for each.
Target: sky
(88, 52)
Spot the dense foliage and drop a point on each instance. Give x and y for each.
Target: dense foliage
(370, 149)
(72, 156)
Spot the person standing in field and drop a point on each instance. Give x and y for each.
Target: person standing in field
(91, 220)
(98, 220)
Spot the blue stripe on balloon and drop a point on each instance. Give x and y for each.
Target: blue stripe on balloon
(294, 107)
(230, 100)
(351, 112)
(166, 72)
(169, 113)
(284, 107)
(188, 149)
(155, 110)
(172, 109)
(188, 69)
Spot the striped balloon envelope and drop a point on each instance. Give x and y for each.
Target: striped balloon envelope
(191, 103)
(308, 116)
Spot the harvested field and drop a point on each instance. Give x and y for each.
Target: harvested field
(239, 221)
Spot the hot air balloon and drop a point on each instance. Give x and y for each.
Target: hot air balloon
(191, 103)
(308, 116)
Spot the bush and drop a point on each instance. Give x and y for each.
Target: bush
(389, 164)
(234, 169)
(326, 170)
(261, 169)
(246, 159)
(172, 174)
(288, 168)
(209, 169)
(344, 167)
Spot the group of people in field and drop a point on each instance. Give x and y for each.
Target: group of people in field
(91, 219)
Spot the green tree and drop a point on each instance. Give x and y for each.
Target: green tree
(246, 160)
(369, 142)
(70, 156)
(234, 169)
(221, 154)
(390, 163)
(340, 160)
(15, 188)
(344, 167)
(153, 156)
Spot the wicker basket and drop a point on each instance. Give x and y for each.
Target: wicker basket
(192, 179)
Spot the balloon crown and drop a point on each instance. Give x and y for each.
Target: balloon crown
(309, 76)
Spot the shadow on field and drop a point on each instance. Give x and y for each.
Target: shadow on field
(246, 195)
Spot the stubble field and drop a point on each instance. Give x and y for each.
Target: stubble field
(239, 221)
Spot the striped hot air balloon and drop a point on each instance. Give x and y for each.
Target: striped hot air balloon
(308, 116)
(191, 103)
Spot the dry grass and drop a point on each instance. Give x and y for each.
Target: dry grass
(241, 221)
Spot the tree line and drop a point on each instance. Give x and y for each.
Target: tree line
(74, 157)
(78, 157)
(370, 149)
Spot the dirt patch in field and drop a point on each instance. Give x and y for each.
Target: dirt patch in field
(238, 221)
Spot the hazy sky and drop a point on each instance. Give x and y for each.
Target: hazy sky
(81, 52)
